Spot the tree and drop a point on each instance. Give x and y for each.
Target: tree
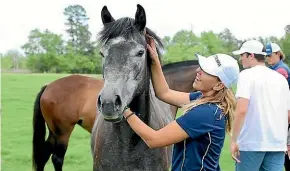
(287, 29)
(230, 42)
(285, 46)
(44, 50)
(78, 29)
(182, 46)
(213, 43)
(12, 59)
(43, 42)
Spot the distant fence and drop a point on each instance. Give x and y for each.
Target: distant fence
(15, 70)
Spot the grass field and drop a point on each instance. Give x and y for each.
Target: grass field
(17, 98)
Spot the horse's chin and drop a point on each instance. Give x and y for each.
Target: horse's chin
(113, 119)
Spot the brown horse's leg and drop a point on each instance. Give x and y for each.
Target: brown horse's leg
(60, 149)
(47, 151)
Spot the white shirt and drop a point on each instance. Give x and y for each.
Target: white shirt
(266, 123)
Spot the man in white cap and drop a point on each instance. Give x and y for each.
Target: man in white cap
(259, 134)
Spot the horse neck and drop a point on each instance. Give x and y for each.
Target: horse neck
(181, 78)
(140, 104)
(160, 113)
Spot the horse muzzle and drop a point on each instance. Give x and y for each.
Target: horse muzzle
(110, 106)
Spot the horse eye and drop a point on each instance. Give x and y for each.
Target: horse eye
(101, 54)
(140, 53)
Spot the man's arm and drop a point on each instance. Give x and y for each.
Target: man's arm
(243, 94)
(288, 116)
(240, 115)
(288, 137)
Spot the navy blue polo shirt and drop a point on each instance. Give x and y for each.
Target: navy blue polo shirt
(205, 126)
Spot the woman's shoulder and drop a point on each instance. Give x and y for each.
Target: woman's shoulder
(207, 108)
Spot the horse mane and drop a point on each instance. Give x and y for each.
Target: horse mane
(125, 27)
(162, 114)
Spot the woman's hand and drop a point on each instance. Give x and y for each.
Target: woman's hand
(127, 112)
(152, 49)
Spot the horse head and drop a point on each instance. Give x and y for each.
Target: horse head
(126, 71)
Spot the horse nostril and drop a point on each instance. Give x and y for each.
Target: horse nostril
(118, 102)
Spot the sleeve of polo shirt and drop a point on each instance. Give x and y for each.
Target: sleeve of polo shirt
(243, 86)
(283, 72)
(198, 121)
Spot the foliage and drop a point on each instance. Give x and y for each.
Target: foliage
(46, 51)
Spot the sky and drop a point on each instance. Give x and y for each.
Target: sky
(245, 18)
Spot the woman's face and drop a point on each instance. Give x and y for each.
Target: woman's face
(204, 82)
(272, 59)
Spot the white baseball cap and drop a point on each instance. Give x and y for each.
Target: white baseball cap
(251, 46)
(223, 66)
(271, 48)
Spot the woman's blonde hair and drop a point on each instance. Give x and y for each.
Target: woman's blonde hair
(225, 100)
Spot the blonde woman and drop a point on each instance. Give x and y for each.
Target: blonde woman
(198, 135)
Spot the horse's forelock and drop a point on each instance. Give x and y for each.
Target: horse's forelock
(125, 27)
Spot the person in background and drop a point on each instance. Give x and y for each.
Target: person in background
(275, 58)
(260, 125)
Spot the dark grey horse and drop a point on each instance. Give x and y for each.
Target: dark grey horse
(126, 70)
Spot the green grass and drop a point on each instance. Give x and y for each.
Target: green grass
(17, 98)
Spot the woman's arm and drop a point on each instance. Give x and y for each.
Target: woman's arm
(170, 134)
(161, 88)
(193, 124)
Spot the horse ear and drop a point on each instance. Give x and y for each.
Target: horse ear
(106, 15)
(140, 18)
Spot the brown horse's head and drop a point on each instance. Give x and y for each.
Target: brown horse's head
(125, 63)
